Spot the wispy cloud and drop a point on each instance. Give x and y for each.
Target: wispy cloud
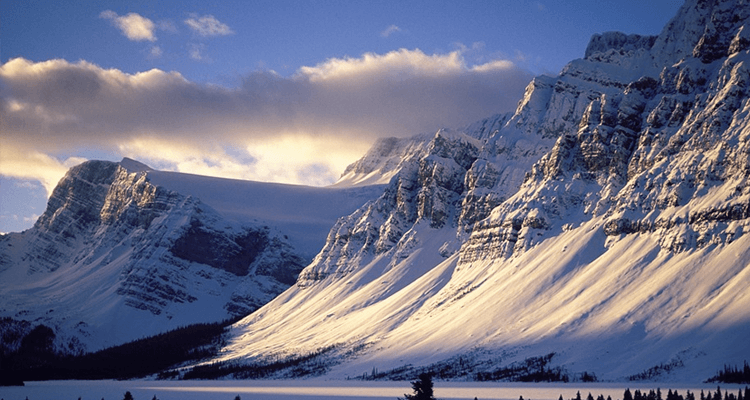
(196, 51)
(207, 25)
(390, 30)
(155, 52)
(132, 25)
(167, 25)
(268, 128)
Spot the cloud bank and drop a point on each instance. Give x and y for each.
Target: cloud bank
(300, 129)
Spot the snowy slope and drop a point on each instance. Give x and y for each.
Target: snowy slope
(605, 222)
(124, 251)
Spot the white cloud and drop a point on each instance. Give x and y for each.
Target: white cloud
(207, 25)
(301, 129)
(167, 25)
(390, 30)
(132, 25)
(25, 163)
(155, 52)
(195, 50)
(31, 218)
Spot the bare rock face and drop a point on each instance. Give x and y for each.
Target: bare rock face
(660, 142)
(427, 188)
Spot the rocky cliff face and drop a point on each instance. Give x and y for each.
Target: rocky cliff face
(111, 239)
(645, 153)
(426, 189)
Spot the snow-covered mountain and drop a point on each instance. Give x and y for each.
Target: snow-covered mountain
(601, 228)
(124, 251)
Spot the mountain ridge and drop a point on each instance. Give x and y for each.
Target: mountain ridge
(607, 215)
(124, 251)
(599, 230)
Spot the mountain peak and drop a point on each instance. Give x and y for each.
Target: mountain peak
(617, 41)
(134, 166)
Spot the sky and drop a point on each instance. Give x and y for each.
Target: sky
(280, 90)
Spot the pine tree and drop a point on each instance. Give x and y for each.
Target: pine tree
(627, 395)
(422, 388)
(578, 395)
(128, 396)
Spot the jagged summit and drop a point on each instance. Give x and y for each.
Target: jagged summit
(134, 166)
(619, 42)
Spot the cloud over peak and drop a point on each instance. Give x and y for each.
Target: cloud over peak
(132, 25)
(270, 127)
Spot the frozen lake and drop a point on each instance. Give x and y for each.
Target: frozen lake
(319, 389)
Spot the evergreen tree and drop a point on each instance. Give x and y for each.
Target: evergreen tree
(128, 396)
(627, 395)
(422, 388)
(589, 397)
(578, 395)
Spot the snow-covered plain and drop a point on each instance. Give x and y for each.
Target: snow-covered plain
(322, 389)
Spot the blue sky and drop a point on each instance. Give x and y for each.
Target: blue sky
(288, 91)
